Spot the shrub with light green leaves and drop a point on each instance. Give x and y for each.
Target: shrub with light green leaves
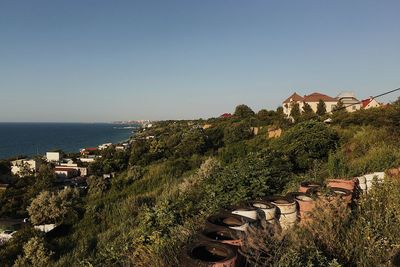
(307, 142)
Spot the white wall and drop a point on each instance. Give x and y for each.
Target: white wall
(373, 104)
(313, 105)
(53, 156)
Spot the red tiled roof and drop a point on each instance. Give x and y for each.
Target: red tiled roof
(365, 102)
(295, 97)
(315, 97)
(226, 115)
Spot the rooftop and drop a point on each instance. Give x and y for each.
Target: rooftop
(346, 95)
(294, 97)
(315, 97)
(226, 115)
(365, 102)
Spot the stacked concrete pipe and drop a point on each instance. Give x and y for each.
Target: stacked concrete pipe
(305, 204)
(286, 211)
(362, 184)
(373, 177)
(209, 254)
(218, 243)
(256, 209)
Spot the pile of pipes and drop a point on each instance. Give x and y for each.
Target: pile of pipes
(218, 244)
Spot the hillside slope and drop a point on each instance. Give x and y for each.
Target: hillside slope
(178, 173)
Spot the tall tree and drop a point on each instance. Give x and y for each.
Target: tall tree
(243, 111)
(50, 207)
(339, 107)
(308, 112)
(307, 108)
(295, 111)
(237, 132)
(268, 117)
(321, 108)
(263, 115)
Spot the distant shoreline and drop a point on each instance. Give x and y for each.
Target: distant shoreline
(31, 139)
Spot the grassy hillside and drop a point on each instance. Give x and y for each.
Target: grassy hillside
(177, 173)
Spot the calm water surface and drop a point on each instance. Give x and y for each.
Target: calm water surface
(37, 138)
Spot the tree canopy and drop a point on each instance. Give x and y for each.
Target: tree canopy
(339, 107)
(237, 132)
(35, 254)
(243, 111)
(49, 207)
(321, 108)
(307, 108)
(295, 111)
(308, 141)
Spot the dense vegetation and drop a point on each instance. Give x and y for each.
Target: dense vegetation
(179, 172)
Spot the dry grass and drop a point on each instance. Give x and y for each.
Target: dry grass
(366, 235)
(261, 244)
(268, 246)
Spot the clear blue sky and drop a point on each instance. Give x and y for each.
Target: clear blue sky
(81, 60)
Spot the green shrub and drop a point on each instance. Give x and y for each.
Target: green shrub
(243, 111)
(35, 254)
(215, 137)
(256, 175)
(155, 204)
(378, 158)
(11, 249)
(307, 142)
(337, 165)
(374, 227)
(237, 132)
(192, 142)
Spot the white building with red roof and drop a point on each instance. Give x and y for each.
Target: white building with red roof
(370, 103)
(312, 99)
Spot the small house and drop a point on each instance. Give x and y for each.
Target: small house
(65, 172)
(370, 103)
(89, 150)
(53, 156)
(104, 146)
(88, 159)
(122, 147)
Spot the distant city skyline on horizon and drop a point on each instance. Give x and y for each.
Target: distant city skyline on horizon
(128, 60)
